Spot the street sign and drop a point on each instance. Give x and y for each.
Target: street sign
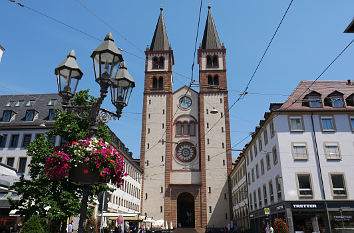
(266, 211)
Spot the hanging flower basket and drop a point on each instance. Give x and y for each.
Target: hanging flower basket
(90, 161)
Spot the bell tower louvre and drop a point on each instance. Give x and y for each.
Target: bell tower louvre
(185, 148)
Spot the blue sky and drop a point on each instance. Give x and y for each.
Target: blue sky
(308, 40)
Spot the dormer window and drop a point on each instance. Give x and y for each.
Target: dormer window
(10, 104)
(313, 100)
(6, 116)
(29, 115)
(30, 103)
(350, 100)
(335, 100)
(19, 103)
(52, 102)
(158, 63)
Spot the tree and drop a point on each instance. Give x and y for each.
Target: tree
(32, 225)
(56, 199)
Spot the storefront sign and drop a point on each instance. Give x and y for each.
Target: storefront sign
(343, 218)
(307, 206)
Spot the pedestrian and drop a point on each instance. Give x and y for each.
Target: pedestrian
(70, 227)
(271, 230)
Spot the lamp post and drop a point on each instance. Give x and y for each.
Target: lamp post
(110, 72)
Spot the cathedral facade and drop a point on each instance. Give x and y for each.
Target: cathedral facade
(185, 140)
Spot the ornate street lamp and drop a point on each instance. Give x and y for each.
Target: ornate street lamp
(106, 59)
(121, 88)
(110, 71)
(68, 75)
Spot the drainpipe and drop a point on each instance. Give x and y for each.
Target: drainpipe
(323, 194)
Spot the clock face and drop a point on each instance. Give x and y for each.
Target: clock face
(185, 151)
(185, 102)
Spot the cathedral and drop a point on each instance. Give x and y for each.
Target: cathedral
(185, 137)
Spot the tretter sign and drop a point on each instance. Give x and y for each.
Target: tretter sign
(307, 206)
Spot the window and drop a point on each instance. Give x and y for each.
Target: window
(327, 123)
(253, 175)
(255, 150)
(192, 128)
(275, 155)
(262, 166)
(268, 161)
(216, 80)
(209, 62)
(352, 122)
(271, 194)
(22, 165)
(337, 100)
(257, 171)
(19, 103)
(304, 184)
(210, 80)
(215, 61)
(155, 63)
(161, 62)
(209, 189)
(299, 150)
(278, 186)
(26, 140)
(296, 123)
(249, 178)
(161, 208)
(52, 102)
(208, 157)
(160, 82)
(265, 136)
(10, 161)
(247, 159)
(259, 197)
(265, 195)
(209, 209)
(332, 150)
(161, 189)
(29, 115)
(14, 141)
(338, 185)
(271, 128)
(3, 138)
(179, 128)
(185, 128)
(30, 103)
(146, 196)
(251, 154)
(260, 145)
(6, 116)
(51, 115)
(10, 104)
(255, 199)
(314, 101)
(154, 82)
(250, 201)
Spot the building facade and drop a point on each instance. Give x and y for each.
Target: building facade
(25, 117)
(239, 194)
(185, 145)
(300, 160)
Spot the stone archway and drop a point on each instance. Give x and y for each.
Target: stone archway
(185, 210)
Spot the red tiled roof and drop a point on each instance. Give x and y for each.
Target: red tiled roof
(325, 88)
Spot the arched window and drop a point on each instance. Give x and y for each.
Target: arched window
(160, 83)
(209, 62)
(216, 80)
(154, 82)
(215, 61)
(179, 128)
(210, 80)
(155, 63)
(185, 128)
(161, 62)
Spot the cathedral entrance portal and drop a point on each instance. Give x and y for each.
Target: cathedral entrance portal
(185, 210)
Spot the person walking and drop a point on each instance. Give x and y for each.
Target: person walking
(70, 227)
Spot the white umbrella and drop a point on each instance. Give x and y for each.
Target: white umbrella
(171, 225)
(166, 226)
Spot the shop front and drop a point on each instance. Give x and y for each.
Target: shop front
(341, 216)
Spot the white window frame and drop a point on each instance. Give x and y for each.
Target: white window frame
(299, 144)
(328, 118)
(335, 189)
(298, 186)
(329, 156)
(301, 122)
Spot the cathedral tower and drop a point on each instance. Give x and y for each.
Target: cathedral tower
(185, 144)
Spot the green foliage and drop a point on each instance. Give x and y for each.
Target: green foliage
(32, 225)
(280, 226)
(55, 199)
